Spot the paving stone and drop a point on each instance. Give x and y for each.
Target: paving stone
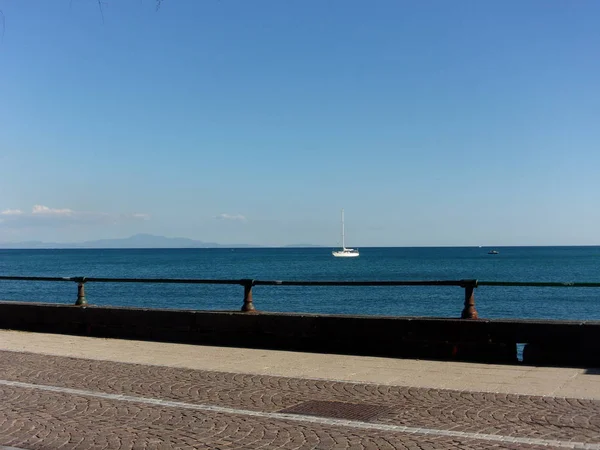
(32, 418)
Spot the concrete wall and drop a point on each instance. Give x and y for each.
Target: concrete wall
(491, 341)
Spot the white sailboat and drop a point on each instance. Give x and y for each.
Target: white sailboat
(345, 252)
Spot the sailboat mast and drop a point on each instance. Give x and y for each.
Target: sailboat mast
(343, 237)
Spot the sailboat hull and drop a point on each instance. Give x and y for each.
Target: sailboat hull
(345, 253)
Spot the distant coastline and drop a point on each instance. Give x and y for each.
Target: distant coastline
(137, 241)
(149, 241)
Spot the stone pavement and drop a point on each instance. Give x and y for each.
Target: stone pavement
(75, 392)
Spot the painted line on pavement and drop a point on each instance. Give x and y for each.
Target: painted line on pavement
(304, 418)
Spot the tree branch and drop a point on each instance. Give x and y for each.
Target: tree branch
(2, 25)
(100, 3)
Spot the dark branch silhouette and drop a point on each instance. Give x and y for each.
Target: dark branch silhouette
(101, 4)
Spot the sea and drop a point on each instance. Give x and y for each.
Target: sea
(556, 264)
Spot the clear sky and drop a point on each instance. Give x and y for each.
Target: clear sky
(256, 121)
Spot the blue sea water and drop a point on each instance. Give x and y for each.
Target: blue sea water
(512, 264)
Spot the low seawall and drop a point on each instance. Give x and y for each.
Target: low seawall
(562, 343)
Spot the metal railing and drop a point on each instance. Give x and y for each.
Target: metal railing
(469, 285)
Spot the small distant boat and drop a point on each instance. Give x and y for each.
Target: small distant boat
(345, 252)
(493, 252)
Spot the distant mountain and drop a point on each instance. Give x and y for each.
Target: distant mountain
(148, 241)
(136, 241)
(26, 244)
(302, 246)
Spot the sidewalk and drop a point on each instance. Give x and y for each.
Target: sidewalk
(539, 381)
(79, 393)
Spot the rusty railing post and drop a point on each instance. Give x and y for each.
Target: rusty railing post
(81, 300)
(469, 311)
(248, 305)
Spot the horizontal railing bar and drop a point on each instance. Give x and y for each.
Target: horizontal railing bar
(162, 280)
(124, 280)
(460, 283)
(361, 283)
(17, 278)
(244, 281)
(537, 284)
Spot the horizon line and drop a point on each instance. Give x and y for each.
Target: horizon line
(315, 246)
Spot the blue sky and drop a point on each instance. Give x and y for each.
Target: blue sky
(255, 121)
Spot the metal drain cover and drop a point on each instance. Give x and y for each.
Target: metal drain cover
(337, 410)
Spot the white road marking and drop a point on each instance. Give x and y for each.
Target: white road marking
(303, 418)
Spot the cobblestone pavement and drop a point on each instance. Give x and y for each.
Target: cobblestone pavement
(50, 402)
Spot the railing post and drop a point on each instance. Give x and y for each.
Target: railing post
(81, 300)
(248, 305)
(469, 311)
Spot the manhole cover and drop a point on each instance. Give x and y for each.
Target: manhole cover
(337, 410)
